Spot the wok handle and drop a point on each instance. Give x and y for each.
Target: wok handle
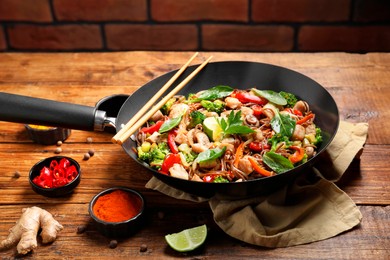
(29, 110)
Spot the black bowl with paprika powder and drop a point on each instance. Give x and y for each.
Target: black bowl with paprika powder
(55, 176)
(117, 211)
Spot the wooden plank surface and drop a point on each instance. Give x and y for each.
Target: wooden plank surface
(359, 84)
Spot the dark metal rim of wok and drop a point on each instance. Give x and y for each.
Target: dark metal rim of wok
(240, 75)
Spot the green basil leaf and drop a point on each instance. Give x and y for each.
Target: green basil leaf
(277, 162)
(214, 93)
(271, 96)
(210, 154)
(283, 124)
(170, 124)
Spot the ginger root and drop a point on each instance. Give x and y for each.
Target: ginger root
(26, 229)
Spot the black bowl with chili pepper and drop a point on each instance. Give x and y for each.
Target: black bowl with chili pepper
(55, 176)
(117, 212)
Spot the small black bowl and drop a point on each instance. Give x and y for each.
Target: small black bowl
(47, 135)
(58, 191)
(123, 228)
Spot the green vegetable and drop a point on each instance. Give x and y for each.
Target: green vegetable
(234, 124)
(271, 96)
(170, 124)
(216, 106)
(277, 139)
(277, 162)
(167, 106)
(220, 179)
(155, 156)
(318, 136)
(144, 156)
(187, 152)
(210, 155)
(290, 98)
(213, 93)
(283, 124)
(196, 118)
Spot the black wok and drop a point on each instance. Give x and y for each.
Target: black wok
(241, 75)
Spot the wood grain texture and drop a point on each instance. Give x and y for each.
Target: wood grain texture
(359, 84)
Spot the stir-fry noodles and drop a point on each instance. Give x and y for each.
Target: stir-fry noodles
(229, 135)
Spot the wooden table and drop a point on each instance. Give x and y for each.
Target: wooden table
(359, 83)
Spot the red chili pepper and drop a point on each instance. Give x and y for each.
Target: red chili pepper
(53, 165)
(245, 97)
(71, 173)
(56, 175)
(171, 141)
(169, 161)
(305, 119)
(64, 163)
(258, 146)
(153, 128)
(298, 154)
(258, 168)
(257, 110)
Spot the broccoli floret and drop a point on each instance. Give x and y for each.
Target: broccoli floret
(144, 156)
(290, 98)
(220, 179)
(186, 150)
(276, 139)
(318, 138)
(158, 154)
(167, 106)
(216, 106)
(196, 118)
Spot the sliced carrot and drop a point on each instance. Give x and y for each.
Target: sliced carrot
(239, 154)
(258, 168)
(298, 155)
(305, 119)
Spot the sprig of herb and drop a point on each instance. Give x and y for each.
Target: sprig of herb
(234, 124)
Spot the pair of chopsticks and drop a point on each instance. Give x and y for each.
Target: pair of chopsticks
(140, 118)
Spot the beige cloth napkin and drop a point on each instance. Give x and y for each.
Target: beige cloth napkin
(312, 208)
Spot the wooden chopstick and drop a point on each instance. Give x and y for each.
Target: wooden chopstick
(133, 125)
(152, 100)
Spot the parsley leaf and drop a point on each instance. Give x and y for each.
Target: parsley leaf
(234, 124)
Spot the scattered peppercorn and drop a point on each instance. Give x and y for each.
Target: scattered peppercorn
(86, 156)
(58, 150)
(16, 174)
(89, 140)
(113, 244)
(143, 248)
(81, 229)
(91, 152)
(59, 143)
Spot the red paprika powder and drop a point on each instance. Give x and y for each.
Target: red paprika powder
(117, 206)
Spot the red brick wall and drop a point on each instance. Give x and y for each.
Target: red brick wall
(208, 25)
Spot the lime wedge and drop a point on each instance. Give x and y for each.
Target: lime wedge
(212, 128)
(188, 239)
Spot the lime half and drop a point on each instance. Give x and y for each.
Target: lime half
(212, 128)
(188, 239)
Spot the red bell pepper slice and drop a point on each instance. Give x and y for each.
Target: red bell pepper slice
(294, 111)
(258, 146)
(209, 178)
(169, 161)
(153, 128)
(171, 141)
(245, 97)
